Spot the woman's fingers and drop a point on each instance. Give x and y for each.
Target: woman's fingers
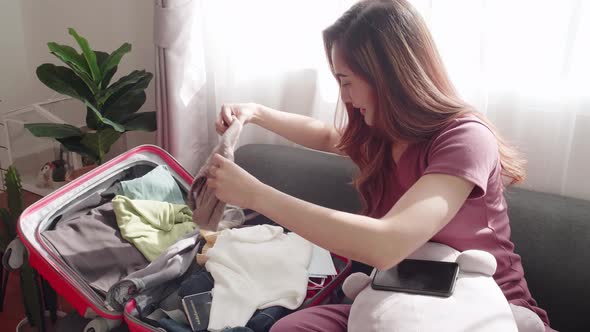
(226, 114)
(211, 183)
(219, 128)
(218, 160)
(212, 171)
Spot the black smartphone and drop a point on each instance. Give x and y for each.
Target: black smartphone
(418, 277)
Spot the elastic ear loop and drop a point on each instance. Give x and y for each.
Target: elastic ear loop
(233, 214)
(231, 210)
(315, 285)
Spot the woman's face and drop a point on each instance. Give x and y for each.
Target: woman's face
(354, 90)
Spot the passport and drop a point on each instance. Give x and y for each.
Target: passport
(197, 308)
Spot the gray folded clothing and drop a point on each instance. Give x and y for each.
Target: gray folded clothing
(90, 242)
(169, 266)
(207, 209)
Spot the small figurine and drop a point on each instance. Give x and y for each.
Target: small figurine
(51, 172)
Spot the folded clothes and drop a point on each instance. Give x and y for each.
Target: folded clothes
(90, 242)
(173, 263)
(198, 282)
(171, 325)
(264, 319)
(150, 225)
(251, 272)
(157, 185)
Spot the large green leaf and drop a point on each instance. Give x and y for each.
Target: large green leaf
(118, 127)
(75, 61)
(129, 102)
(64, 81)
(145, 121)
(106, 79)
(137, 79)
(89, 55)
(53, 130)
(101, 141)
(92, 121)
(74, 144)
(71, 57)
(101, 57)
(115, 57)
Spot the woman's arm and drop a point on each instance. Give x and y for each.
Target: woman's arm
(418, 215)
(382, 243)
(299, 129)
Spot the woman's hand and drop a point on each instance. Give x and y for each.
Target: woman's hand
(243, 112)
(232, 184)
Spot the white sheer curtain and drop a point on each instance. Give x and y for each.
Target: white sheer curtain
(271, 52)
(215, 52)
(524, 63)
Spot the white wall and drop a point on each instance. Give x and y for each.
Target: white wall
(27, 25)
(13, 63)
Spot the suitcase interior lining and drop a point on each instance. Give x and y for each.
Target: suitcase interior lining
(132, 172)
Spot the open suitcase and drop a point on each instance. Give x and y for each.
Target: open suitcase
(69, 284)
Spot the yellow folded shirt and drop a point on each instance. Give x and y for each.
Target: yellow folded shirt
(152, 226)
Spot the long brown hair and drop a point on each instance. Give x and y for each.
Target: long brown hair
(387, 43)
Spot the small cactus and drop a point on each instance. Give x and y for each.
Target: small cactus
(14, 191)
(28, 276)
(15, 206)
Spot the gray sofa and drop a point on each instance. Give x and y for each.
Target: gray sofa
(551, 233)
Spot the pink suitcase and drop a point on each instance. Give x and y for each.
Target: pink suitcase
(71, 286)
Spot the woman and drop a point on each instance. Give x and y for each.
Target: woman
(431, 168)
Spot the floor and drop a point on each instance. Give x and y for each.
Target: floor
(13, 311)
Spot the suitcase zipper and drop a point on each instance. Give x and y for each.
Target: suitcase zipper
(140, 322)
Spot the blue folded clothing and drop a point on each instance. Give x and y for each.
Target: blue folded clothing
(157, 185)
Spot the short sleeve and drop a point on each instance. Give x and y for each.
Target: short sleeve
(467, 149)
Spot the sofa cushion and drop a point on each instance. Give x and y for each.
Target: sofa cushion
(322, 178)
(552, 235)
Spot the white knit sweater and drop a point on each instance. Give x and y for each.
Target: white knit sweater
(255, 268)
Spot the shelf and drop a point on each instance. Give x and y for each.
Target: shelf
(29, 183)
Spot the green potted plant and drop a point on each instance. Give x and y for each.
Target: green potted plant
(111, 109)
(29, 283)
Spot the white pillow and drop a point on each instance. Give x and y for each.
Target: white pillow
(477, 303)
